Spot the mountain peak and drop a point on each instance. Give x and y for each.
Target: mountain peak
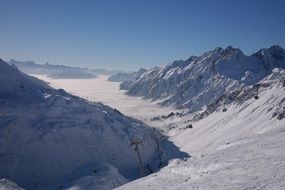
(192, 58)
(231, 49)
(218, 49)
(5, 68)
(275, 51)
(276, 48)
(227, 52)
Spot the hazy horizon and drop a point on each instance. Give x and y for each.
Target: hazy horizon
(132, 69)
(129, 35)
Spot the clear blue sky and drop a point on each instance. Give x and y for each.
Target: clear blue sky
(128, 34)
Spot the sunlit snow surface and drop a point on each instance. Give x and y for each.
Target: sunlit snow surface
(242, 148)
(102, 90)
(6, 184)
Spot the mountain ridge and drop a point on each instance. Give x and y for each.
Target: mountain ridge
(197, 81)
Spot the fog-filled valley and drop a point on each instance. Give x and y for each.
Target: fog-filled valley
(142, 95)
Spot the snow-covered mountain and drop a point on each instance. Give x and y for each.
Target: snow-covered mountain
(234, 130)
(139, 73)
(9, 185)
(237, 142)
(59, 71)
(126, 76)
(31, 67)
(51, 137)
(121, 77)
(238, 97)
(197, 81)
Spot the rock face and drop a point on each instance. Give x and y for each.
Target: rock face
(48, 135)
(197, 81)
(275, 81)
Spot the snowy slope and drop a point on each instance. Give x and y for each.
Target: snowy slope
(195, 82)
(105, 177)
(250, 92)
(121, 77)
(126, 76)
(240, 148)
(51, 137)
(8, 185)
(13, 81)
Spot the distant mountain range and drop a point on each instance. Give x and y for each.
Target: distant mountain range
(200, 80)
(59, 71)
